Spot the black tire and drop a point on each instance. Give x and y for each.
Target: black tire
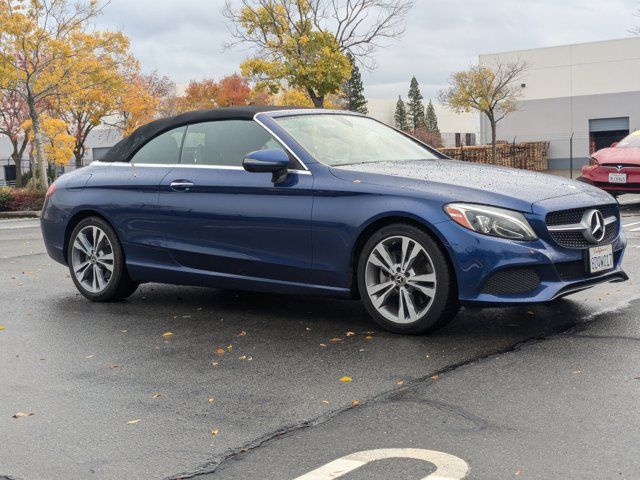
(119, 286)
(444, 304)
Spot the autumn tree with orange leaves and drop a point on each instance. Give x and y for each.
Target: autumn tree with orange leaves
(48, 51)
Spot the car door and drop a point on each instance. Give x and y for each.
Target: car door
(230, 222)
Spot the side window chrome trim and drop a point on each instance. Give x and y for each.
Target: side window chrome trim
(179, 165)
(274, 135)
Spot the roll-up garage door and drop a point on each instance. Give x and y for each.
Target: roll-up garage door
(608, 124)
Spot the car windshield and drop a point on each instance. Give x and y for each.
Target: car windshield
(335, 139)
(632, 140)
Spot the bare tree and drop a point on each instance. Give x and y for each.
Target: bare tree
(493, 90)
(636, 30)
(358, 26)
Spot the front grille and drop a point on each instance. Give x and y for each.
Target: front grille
(576, 239)
(578, 269)
(511, 281)
(567, 217)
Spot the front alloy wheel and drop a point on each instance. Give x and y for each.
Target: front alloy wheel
(405, 280)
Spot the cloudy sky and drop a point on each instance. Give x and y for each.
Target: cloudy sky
(184, 38)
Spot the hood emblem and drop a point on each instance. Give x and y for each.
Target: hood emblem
(594, 220)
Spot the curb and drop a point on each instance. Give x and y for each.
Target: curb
(20, 214)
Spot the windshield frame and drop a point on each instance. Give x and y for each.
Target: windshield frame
(276, 115)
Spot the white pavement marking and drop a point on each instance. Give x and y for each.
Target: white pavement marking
(631, 224)
(635, 230)
(448, 467)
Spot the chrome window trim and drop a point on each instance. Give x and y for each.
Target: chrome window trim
(282, 142)
(182, 165)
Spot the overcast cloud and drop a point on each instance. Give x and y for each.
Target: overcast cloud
(184, 38)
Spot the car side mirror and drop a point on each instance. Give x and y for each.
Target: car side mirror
(613, 144)
(274, 160)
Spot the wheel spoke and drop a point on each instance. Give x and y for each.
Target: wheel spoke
(98, 236)
(94, 279)
(81, 270)
(412, 256)
(375, 289)
(82, 243)
(411, 308)
(401, 317)
(384, 256)
(423, 278)
(379, 301)
(99, 276)
(427, 291)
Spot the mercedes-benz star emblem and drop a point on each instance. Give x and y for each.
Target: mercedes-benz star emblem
(596, 227)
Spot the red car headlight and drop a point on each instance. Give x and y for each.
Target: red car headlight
(593, 162)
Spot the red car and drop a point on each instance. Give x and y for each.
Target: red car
(616, 169)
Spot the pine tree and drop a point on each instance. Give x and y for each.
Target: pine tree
(431, 119)
(401, 115)
(415, 111)
(353, 91)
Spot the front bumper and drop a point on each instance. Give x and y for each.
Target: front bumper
(614, 188)
(494, 272)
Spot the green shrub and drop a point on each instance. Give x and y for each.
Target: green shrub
(19, 199)
(5, 198)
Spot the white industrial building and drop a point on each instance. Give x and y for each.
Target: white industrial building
(590, 91)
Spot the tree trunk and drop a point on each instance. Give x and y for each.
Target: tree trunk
(37, 135)
(493, 142)
(18, 161)
(78, 156)
(318, 100)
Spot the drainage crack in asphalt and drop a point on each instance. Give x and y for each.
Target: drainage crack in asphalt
(212, 466)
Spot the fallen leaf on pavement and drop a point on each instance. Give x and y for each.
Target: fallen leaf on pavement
(156, 395)
(336, 339)
(577, 371)
(435, 377)
(308, 329)
(323, 344)
(243, 357)
(326, 402)
(214, 432)
(368, 337)
(401, 382)
(242, 333)
(133, 422)
(346, 379)
(22, 414)
(167, 334)
(350, 334)
(229, 347)
(355, 403)
(211, 399)
(114, 365)
(220, 351)
(89, 356)
(1, 327)
(518, 472)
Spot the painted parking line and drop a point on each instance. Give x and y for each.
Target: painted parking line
(631, 224)
(448, 467)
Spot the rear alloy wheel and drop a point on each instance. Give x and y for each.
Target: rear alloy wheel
(96, 262)
(405, 281)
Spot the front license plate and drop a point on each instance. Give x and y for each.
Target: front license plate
(617, 178)
(600, 258)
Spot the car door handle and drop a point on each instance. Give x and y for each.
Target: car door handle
(181, 185)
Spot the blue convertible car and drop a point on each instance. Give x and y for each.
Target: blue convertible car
(326, 202)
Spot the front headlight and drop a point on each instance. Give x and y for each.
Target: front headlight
(494, 221)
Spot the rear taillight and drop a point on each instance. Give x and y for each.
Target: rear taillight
(593, 162)
(51, 190)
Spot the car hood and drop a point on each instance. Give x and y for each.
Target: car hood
(452, 180)
(618, 155)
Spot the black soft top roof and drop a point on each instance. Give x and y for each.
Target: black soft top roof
(129, 145)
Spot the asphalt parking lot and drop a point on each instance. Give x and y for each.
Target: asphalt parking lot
(181, 382)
